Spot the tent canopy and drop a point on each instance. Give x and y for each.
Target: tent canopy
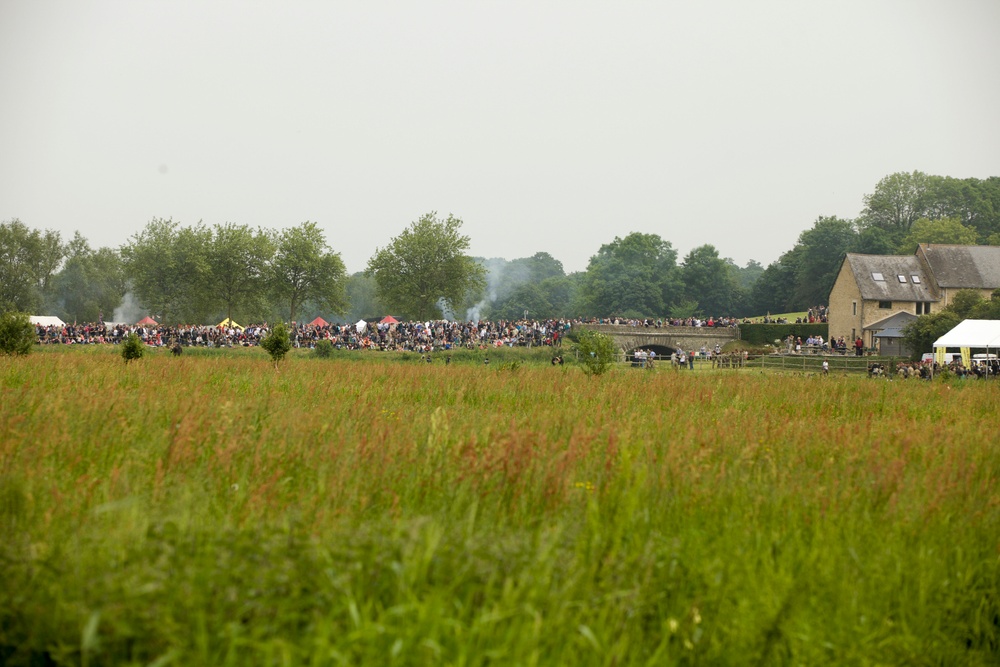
(360, 326)
(318, 322)
(147, 321)
(46, 320)
(389, 319)
(229, 323)
(971, 333)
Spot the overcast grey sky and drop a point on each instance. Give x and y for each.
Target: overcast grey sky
(550, 126)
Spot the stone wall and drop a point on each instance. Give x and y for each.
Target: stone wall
(630, 338)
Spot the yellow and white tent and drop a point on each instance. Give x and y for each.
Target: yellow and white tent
(228, 323)
(968, 334)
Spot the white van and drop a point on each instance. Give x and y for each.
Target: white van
(948, 357)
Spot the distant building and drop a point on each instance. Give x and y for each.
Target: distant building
(888, 334)
(871, 289)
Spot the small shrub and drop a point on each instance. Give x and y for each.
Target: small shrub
(597, 352)
(17, 334)
(277, 342)
(509, 367)
(323, 349)
(132, 347)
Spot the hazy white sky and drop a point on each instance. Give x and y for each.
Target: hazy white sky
(550, 126)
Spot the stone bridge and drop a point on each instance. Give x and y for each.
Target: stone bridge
(665, 339)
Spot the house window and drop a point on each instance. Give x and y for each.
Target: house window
(854, 308)
(902, 278)
(877, 276)
(885, 304)
(915, 279)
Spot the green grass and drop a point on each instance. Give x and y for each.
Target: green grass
(210, 510)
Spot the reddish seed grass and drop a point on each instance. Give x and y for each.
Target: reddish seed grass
(394, 437)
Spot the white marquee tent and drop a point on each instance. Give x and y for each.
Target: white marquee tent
(968, 334)
(46, 321)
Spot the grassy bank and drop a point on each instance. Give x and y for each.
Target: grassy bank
(208, 510)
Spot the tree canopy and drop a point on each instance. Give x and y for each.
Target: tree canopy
(425, 270)
(635, 276)
(238, 259)
(711, 282)
(199, 273)
(942, 230)
(304, 268)
(28, 260)
(167, 268)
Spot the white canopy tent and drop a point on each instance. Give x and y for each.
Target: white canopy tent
(968, 334)
(46, 321)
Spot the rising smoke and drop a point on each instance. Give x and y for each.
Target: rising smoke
(129, 311)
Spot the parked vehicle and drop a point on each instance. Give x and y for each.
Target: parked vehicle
(948, 357)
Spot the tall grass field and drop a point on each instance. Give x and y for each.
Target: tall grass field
(214, 510)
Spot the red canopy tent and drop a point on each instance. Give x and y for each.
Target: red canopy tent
(147, 321)
(318, 322)
(389, 319)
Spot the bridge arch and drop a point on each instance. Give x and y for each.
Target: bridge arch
(627, 338)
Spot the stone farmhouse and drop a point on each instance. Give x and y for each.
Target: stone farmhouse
(872, 290)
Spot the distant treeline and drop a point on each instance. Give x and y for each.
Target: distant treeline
(201, 274)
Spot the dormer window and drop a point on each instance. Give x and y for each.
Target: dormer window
(878, 276)
(902, 278)
(915, 279)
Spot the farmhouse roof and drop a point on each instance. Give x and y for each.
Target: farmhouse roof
(963, 266)
(878, 277)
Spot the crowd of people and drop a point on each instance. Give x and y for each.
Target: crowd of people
(796, 345)
(399, 336)
(814, 315)
(664, 322)
(681, 358)
(927, 370)
(442, 335)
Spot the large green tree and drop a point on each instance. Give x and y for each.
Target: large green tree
(987, 309)
(635, 276)
(363, 297)
(874, 241)
(919, 335)
(527, 298)
(168, 268)
(898, 201)
(746, 275)
(237, 271)
(710, 281)
(942, 230)
(821, 253)
(305, 268)
(773, 291)
(426, 267)
(974, 202)
(28, 260)
(90, 284)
